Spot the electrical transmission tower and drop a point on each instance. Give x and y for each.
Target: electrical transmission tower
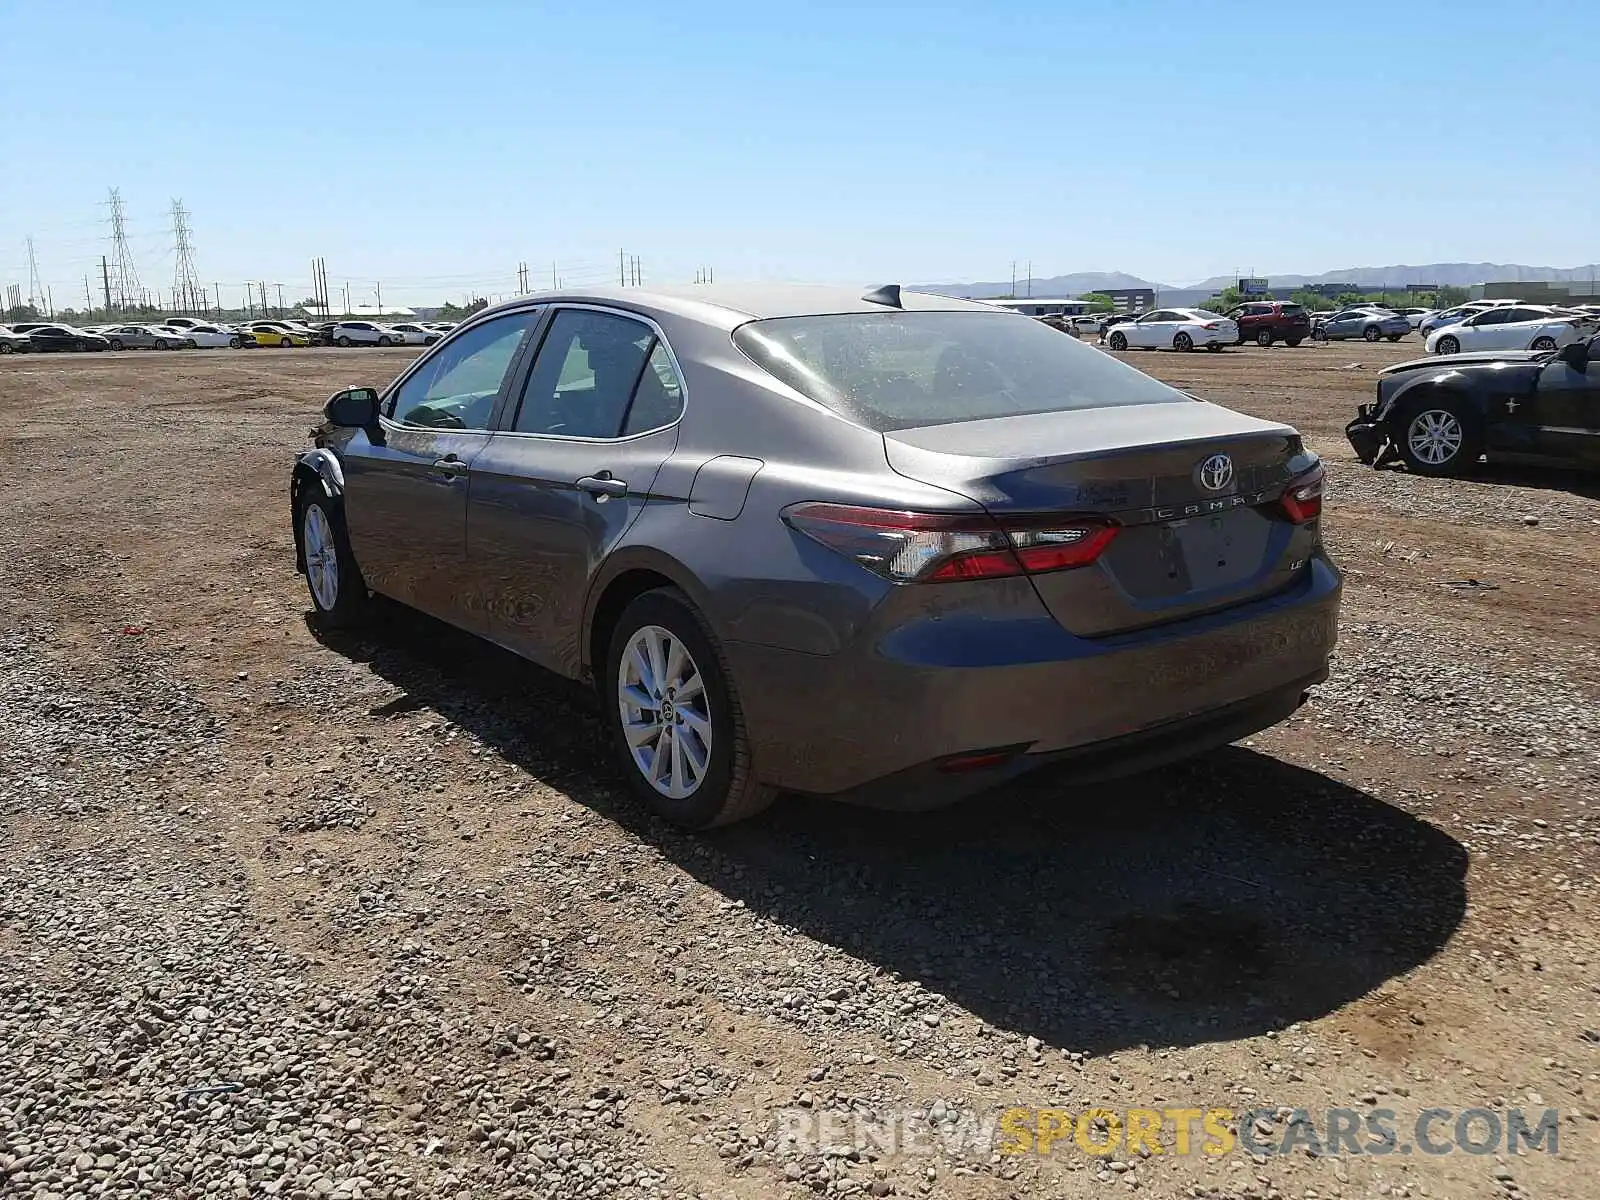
(124, 274)
(185, 279)
(35, 288)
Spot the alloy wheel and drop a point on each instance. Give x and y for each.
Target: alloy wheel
(322, 558)
(666, 716)
(1435, 436)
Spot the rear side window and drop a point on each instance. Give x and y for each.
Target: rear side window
(599, 375)
(891, 371)
(1293, 310)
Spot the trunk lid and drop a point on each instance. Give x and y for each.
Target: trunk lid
(1183, 547)
(1446, 361)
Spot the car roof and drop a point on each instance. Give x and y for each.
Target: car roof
(732, 304)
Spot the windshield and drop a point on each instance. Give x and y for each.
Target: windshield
(891, 371)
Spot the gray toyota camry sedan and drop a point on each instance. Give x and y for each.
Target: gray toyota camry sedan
(888, 547)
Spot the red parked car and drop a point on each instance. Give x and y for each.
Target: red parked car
(1266, 321)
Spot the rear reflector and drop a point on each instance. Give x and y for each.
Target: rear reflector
(1302, 499)
(912, 547)
(960, 764)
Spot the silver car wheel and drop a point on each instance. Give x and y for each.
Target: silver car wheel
(322, 558)
(1435, 436)
(665, 712)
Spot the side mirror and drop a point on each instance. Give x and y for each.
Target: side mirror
(353, 408)
(1575, 355)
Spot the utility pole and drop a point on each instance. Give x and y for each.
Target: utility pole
(638, 276)
(105, 279)
(279, 286)
(1030, 279)
(261, 287)
(555, 280)
(88, 297)
(379, 286)
(35, 288)
(1013, 279)
(622, 269)
(347, 298)
(216, 292)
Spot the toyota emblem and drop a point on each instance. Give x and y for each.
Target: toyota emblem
(1216, 472)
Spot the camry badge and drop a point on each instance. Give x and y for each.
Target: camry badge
(1216, 472)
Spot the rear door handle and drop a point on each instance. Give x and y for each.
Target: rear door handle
(603, 485)
(450, 467)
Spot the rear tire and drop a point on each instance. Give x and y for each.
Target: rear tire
(161, 343)
(6, 348)
(80, 344)
(338, 592)
(1543, 343)
(1264, 339)
(383, 341)
(341, 341)
(1440, 436)
(726, 790)
(1214, 347)
(1183, 343)
(1372, 333)
(234, 343)
(1118, 341)
(116, 344)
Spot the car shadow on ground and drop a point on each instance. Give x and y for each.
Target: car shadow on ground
(1584, 484)
(1216, 899)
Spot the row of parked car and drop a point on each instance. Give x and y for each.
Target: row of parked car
(191, 333)
(1481, 325)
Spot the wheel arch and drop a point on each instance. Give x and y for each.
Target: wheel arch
(626, 575)
(1422, 391)
(313, 467)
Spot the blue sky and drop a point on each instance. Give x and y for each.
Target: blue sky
(433, 147)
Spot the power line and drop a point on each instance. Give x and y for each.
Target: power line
(185, 279)
(123, 269)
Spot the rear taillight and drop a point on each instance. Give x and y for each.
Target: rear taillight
(912, 547)
(1211, 325)
(1302, 499)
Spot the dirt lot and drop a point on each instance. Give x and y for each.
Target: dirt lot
(372, 918)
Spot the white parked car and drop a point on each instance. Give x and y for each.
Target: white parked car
(1510, 327)
(1174, 329)
(183, 322)
(214, 337)
(416, 335)
(364, 333)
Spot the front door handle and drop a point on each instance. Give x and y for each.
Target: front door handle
(450, 467)
(603, 485)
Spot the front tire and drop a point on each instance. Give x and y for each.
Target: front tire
(234, 343)
(1440, 437)
(1264, 339)
(1183, 343)
(161, 343)
(1118, 341)
(676, 724)
(116, 344)
(80, 345)
(1447, 345)
(383, 341)
(338, 592)
(342, 341)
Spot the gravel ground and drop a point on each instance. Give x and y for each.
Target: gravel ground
(370, 917)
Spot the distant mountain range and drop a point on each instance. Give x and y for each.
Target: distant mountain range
(1446, 274)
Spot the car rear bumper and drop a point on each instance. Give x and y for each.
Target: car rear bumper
(874, 724)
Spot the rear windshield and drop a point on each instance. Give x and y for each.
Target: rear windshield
(891, 371)
(1293, 310)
